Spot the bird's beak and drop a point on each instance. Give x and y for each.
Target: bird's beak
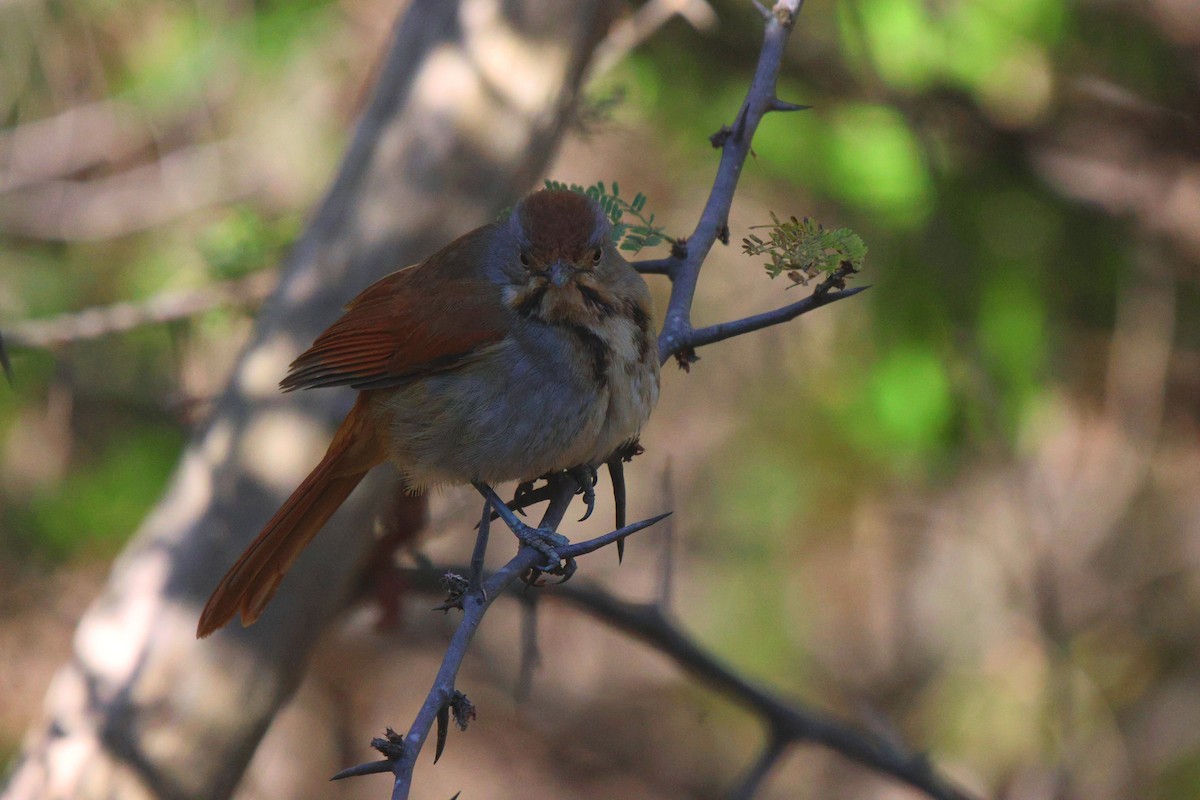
(560, 273)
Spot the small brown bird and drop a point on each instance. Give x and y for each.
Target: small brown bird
(524, 347)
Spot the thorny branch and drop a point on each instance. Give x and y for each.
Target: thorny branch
(678, 338)
(401, 752)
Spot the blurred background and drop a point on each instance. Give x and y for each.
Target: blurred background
(960, 510)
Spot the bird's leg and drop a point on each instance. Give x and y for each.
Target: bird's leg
(541, 539)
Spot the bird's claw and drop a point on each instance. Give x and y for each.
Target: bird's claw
(524, 488)
(565, 568)
(586, 476)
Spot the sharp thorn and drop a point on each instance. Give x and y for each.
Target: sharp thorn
(443, 728)
(371, 768)
(784, 105)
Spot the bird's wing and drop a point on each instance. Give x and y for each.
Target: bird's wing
(419, 320)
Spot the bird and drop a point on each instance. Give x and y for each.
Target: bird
(523, 348)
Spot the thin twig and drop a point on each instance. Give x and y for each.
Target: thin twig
(699, 337)
(789, 719)
(141, 197)
(748, 786)
(530, 655)
(480, 552)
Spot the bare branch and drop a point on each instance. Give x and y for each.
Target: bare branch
(53, 147)
(754, 777)
(480, 553)
(474, 605)
(141, 197)
(531, 657)
(727, 330)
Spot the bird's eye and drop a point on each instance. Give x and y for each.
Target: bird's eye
(524, 258)
(597, 254)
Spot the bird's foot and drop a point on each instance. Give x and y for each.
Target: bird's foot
(544, 540)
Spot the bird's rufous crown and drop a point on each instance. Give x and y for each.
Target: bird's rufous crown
(561, 224)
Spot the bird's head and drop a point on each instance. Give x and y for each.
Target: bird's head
(563, 266)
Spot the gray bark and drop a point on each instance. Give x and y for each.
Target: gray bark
(470, 102)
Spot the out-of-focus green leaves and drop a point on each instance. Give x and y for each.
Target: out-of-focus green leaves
(180, 51)
(874, 163)
(242, 240)
(99, 504)
(909, 398)
(914, 45)
(1012, 335)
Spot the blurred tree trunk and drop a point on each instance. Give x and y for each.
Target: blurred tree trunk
(471, 99)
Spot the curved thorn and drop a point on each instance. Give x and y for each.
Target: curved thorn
(616, 473)
(443, 728)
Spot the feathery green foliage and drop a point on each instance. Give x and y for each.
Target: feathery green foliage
(804, 248)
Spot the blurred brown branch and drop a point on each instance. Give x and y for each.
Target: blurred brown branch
(137, 198)
(103, 132)
(168, 306)
(631, 31)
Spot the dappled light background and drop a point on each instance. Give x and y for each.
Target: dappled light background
(960, 510)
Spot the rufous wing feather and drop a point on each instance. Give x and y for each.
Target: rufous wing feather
(423, 319)
(251, 582)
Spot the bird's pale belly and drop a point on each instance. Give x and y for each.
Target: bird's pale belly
(520, 410)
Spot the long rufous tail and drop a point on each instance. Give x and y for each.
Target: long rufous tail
(251, 583)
